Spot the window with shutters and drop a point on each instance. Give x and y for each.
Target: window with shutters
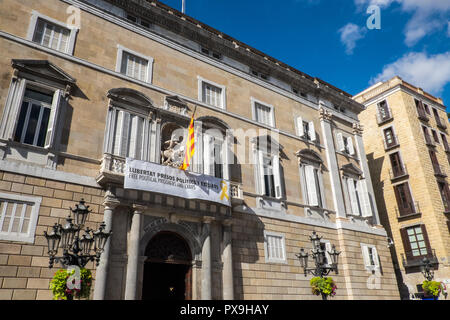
(445, 143)
(128, 125)
(51, 33)
(263, 113)
(370, 257)
(215, 153)
(356, 195)
(134, 64)
(345, 144)
(274, 247)
(445, 195)
(18, 217)
(405, 203)
(398, 169)
(311, 178)
(417, 242)
(267, 168)
(36, 98)
(211, 93)
(390, 139)
(384, 113)
(305, 129)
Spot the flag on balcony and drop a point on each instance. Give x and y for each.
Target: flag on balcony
(190, 146)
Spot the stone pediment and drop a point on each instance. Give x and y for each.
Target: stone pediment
(43, 68)
(130, 97)
(309, 155)
(176, 105)
(351, 169)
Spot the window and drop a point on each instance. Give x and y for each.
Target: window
(345, 144)
(134, 65)
(445, 143)
(214, 154)
(259, 74)
(420, 110)
(435, 135)
(415, 242)
(325, 245)
(404, 199)
(268, 174)
(355, 195)
(274, 247)
(34, 116)
(211, 53)
(370, 257)
(305, 129)
(138, 20)
(34, 102)
(427, 109)
(263, 114)
(398, 169)
(211, 93)
(128, 126)
(384, 113)
(390, 140)
(51, 33)
(312, 185)
(428, 140)
(18, 217)
(445, 195)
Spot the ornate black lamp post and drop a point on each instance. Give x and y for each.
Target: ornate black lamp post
(322, 268)
(426, 269)
(76, 249)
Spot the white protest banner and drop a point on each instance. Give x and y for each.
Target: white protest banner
(147, 176)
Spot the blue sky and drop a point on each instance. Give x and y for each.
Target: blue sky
(330, 39)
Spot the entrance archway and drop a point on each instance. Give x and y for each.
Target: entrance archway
(167, 268)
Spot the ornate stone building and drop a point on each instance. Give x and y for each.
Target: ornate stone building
(85, 85)
(406, 139)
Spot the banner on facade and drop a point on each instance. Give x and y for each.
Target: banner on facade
(147, 176)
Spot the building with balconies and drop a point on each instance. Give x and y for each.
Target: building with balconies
(406, 136)
(89, 87)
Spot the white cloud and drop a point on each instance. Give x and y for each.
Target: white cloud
(427, 16)
(448, 29)
(350, 34)
(430, 72)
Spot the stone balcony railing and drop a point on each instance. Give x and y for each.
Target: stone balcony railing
(112, 169)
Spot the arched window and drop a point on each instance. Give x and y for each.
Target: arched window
(128, 124)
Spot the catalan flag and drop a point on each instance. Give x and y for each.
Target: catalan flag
(190, 146)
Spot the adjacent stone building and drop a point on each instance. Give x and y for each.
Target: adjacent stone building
(406, 139)
(86, 84)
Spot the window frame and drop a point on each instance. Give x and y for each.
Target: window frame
(36, 203)
(366, 257)
(35, 16)
(201, 81)
(269, 259)
(120, 55)
(254, 102)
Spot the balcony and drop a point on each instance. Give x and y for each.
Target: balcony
(398, 172)
(384, 118)
(439, 170)
(112, 170)
(410, 210)
(392, 144)
(441, 123)
(411, 261)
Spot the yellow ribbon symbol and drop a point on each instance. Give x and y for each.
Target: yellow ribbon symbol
(224, 187)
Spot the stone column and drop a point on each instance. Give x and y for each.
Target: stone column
(227, 258)
(133, 253)
(357, 132)
(206, 261)
(336, 189)
(102, 270)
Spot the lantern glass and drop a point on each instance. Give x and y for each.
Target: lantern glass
(86, 242)
(100, 238)
(80, 213)
(53, 240)
(303, 258)
(334, 254)
(315, 239)
(67, 234)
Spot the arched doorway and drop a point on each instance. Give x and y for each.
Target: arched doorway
(167, 268)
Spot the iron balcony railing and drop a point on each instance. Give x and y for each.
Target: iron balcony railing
(398, 172)
(409, 208)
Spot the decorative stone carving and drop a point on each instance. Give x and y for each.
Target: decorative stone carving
(357, 128)
(324, 114)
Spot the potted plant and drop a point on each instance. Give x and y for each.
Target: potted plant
(432, 290)
(323, 286)
(59, 288)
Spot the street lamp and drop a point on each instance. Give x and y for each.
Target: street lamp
(76, 249)
(321, 268)
(425, 267)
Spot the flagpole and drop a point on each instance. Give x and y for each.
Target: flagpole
(183, 6)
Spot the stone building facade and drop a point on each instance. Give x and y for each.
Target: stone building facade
(86, 84)
(406, 139)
